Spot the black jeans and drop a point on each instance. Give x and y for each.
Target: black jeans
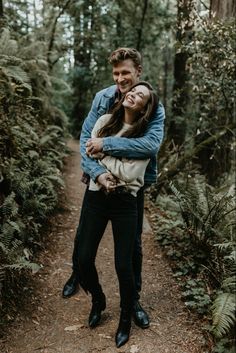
(98, 209)
(137, 252)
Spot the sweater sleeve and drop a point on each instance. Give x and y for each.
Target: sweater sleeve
(126, 170)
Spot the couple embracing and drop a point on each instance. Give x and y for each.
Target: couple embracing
(119, 142)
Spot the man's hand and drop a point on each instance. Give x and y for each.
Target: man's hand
(107, 181)
(94, 145)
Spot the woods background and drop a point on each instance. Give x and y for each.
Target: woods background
(53, 59)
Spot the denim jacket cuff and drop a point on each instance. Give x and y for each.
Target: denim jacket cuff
(94, 174)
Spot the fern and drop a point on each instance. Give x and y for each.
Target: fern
(8, 46)
(32, 148)
(224, 306)
(223, 313)
(204, 211)
(7, 234)
(9, 207)
(21, 263)
(18, 74)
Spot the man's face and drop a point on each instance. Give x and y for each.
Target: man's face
(126, 74)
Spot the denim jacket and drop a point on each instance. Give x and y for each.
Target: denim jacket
(142, 147)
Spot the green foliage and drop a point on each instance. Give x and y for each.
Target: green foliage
(32, 147)
(212, 70)
(195, 296)
(199, 239)
(212, 89)
(224, 313)
(224, 345)
(224, 306)
(206, 213)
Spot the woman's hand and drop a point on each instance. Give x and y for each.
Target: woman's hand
(107, 181)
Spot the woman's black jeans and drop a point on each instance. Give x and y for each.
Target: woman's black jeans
(99, 208)
(137, 251)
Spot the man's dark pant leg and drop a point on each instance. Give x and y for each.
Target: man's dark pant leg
(75, 267)
(137, 254)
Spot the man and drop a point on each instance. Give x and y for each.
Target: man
(127, 69)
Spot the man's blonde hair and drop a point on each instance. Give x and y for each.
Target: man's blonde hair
(122, 54)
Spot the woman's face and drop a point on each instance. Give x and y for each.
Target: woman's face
(137, 98)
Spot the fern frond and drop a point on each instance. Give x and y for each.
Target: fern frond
(8, 46)
(7, 234)
(22, 263)
(9, 207)
(20, 76)
(56, 179)
(231, 256)
(230, 283)
(61, 85)
(17, 73)
(2, 276)
(223, 313)
(4, 248)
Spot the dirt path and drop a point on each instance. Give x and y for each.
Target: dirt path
(50, 324)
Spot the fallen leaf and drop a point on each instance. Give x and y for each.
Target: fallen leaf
(73, 327)
(134, 349)
(77, 299)
(104, 336)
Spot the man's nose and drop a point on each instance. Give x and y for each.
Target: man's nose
(120, 78)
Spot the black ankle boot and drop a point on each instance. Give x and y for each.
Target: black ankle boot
(123, 331)
(99, 304)
(71, 286)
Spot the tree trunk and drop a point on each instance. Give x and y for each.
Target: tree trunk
(52, 38)
(222, 9)
(35, 14)
(1, 9)
(3, 20)
(140, 30)
(177, 127)
(82, 82)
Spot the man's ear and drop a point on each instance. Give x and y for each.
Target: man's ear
(140, 70)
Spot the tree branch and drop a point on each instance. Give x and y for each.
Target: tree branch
(52, 39)
(179, 165)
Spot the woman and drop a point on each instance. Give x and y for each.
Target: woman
(116, 203)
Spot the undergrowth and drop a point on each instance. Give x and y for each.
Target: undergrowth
(196, 228)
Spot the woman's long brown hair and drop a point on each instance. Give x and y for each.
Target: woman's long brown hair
(115, 124)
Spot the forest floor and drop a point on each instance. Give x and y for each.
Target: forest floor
(47, 323)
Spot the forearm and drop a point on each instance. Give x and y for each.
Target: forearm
(89, 165)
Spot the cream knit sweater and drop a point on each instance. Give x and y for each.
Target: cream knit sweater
(129, 172)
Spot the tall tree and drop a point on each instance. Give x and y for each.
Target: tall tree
(178, 124)
(141, 29)
(1, 9)
(222, 9)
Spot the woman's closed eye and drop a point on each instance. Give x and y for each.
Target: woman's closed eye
(141, 95)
